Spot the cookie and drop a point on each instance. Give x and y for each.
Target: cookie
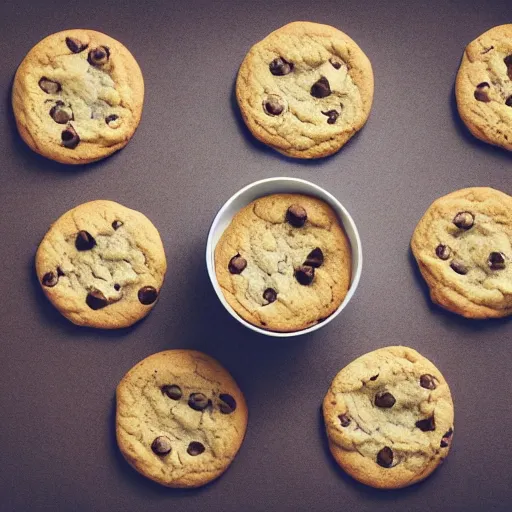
(284, 262)
(102, 265)
(180, 418)
(484, 87)
(463, 246)
(77, 96)
(389, 418)
(305, 89)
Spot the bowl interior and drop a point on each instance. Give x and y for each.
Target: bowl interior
(282, 186)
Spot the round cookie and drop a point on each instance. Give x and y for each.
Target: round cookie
(463, 246)
(102, 265)
(284, 262)
(389, 418)
(77, 96)
(180, 418)
(484, 87)
(305, 89)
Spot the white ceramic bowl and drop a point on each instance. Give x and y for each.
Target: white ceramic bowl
(279, 186)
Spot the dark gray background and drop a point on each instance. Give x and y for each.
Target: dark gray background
(190, 154)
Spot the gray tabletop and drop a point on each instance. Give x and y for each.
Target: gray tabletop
(190, 154)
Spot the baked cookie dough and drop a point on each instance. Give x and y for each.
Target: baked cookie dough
(284, 262)
(484, 87)
(389, 418)
(102, 265)
(77, 96)
(180, 418)
(305, 89)
(463, 246)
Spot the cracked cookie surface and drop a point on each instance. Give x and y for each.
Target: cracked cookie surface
(463, 246)
(284, 262)
(389, 418)
(305, 89)
(77, 96)
(180, 418)
(102, 265)
(484, 87)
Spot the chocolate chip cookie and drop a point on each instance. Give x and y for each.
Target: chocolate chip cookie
(389, 418)
(180, 419)
(77, 96)
(463, 246)
(484, 87)
(305, 90)
(102, 265)
(284, 262)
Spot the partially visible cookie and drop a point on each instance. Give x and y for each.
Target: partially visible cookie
(463, 246)
(180, 418)
(77, 96)
(389, 418)
(102, 265)
(284, 262)
(305, 89)
(484, 87)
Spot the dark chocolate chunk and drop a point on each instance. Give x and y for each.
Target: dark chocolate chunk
(198, 401)
(273, 105)
(375, 377)
(70, 138)
(385, 457)
(315, 258)
(385, 400)
(172, 391)
(305, 275)
(75, 45)
(280, 67)
(84, 241)
(482, 92)
(336, 63)
(508, 101)
(332, 115)
(117, 287)
(464, 220)
(99, 56)
(270, 295)
(344, 420)
(446, 438)
(161, 445)
(111, 118)
(459, 267)
(96, 300)
(49, 86)
(443, 251)
(237, 264)
(147, 295)
(508, 61)
(321, 88)
(496, 261)
(117, 224)
(427, 424)
(227, 403)
(61, 114)
(428, 381)
(50, 279)
(195, 448)
(296, 215)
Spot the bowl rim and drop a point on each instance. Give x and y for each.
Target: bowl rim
(316, 191)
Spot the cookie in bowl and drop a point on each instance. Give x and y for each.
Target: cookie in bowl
(284, 263)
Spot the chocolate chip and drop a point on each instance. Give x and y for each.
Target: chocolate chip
(375, 377)
(70, 138)
(147, 295)
(61, 114)
(496, 261)
(315, 258)
(321, 88)
(482, 92)
(117, 224)
(487, 50)
(273, 105)
(385, 400)
(508, 101)
(96, 300)
(195, 448)
(427, 424)
(443, 251)
(227, 404)
(464, 220)
(198, 401)
(336, 63)
(237, 264)
(459, 267)
(49, 86)
(59, 272)
(117, 287)
(50, 279)
(305, 274)
(110, 120)
(385, 457)
(75, 45)
(508, 61)
(280, 67)
(270, 295)
(296, 215)
(344, 420)
(428, 381)
(84, 241)
(332, 115)
(99, 56)
(446, 438)
(161, 445)
(173, 391)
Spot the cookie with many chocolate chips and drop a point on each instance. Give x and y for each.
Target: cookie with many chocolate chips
(77, 96)
(389, 418)
(102, 265)
(284, 262)
(305, 89)
(484, 87)
(463, 246)
(180, 418)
